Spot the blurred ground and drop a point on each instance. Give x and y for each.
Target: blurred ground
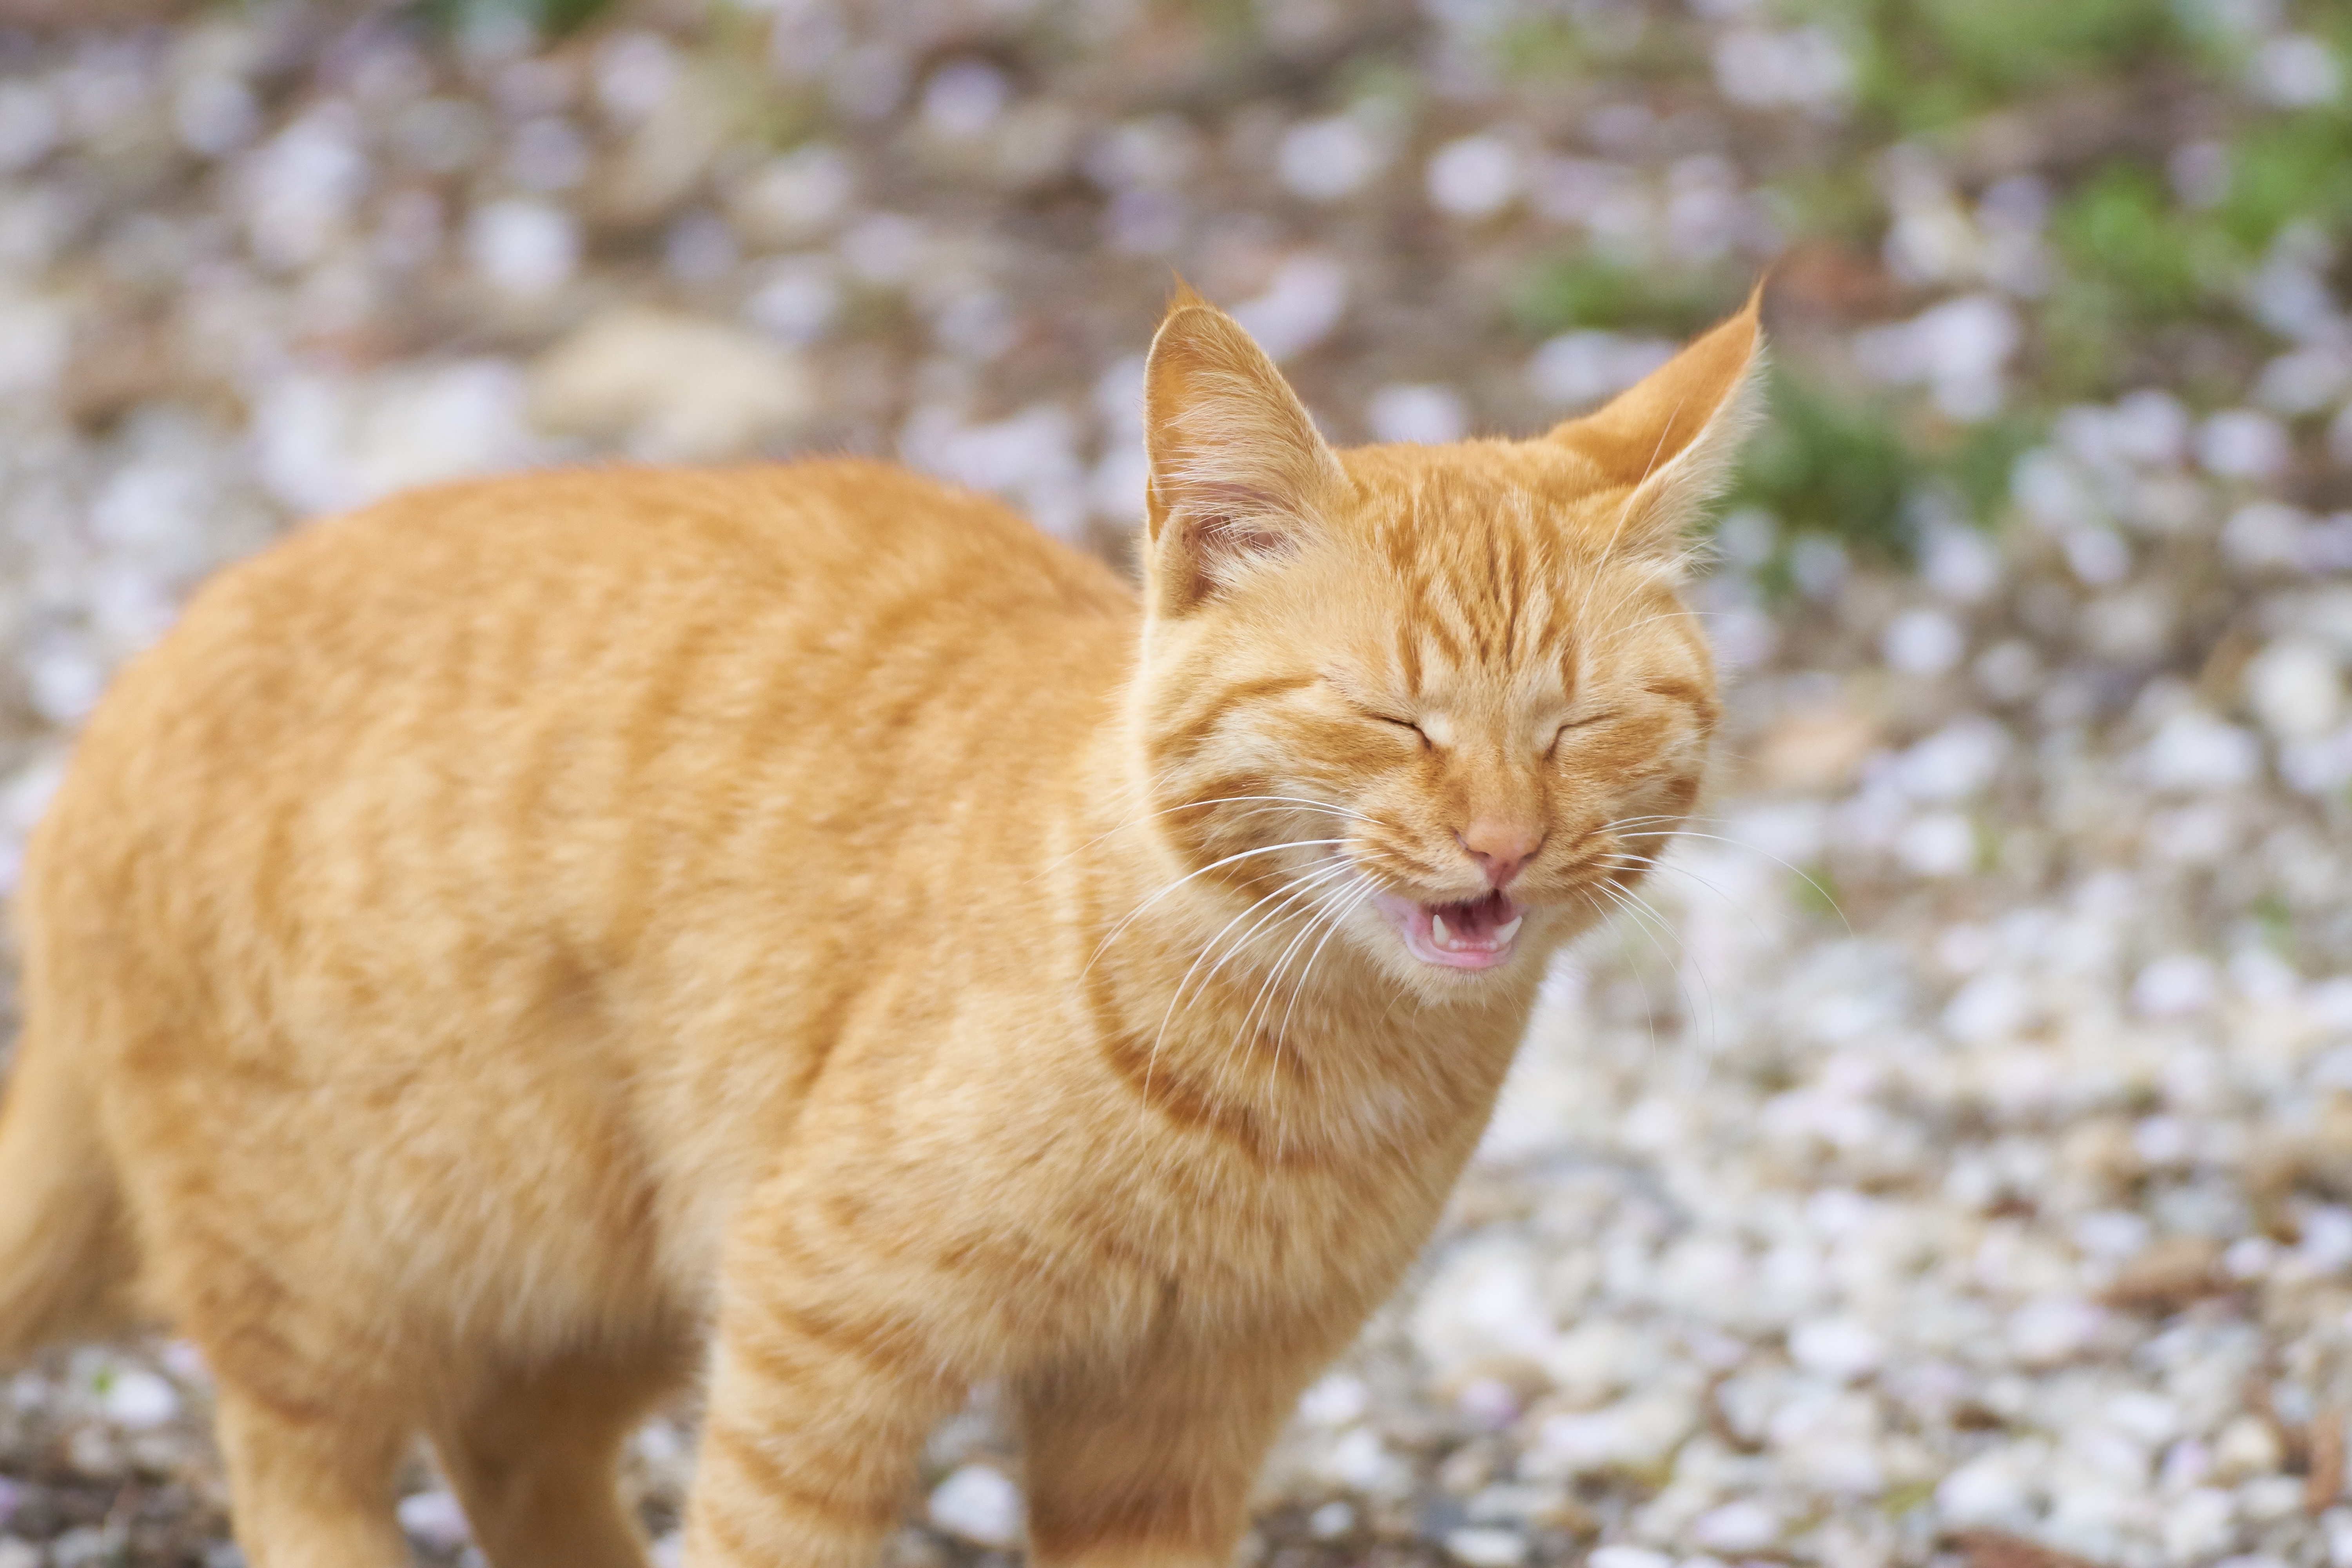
(1955, 1163)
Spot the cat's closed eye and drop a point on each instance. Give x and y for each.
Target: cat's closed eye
(1377, 715)
(1583, 721)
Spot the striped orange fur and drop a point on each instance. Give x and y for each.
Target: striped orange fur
(519, 948)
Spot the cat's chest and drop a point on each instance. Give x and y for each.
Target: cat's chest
(1330, 1174)
(1239, 1246)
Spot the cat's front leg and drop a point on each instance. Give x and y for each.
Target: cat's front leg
(829, 1370)
(1149, 1463)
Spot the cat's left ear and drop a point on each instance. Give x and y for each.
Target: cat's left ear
(1671, 438)
(1238, 469)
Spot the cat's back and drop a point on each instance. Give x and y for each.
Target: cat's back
(467, 692)
(584, 564)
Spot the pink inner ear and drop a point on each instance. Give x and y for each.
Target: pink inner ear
(1227, 518)
(1236, 536)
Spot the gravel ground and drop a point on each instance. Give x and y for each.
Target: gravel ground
(1952, 1163)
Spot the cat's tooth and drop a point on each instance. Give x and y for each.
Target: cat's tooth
(1507, 930)
(1437, 931)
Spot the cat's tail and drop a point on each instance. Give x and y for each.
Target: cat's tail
(66, 1258)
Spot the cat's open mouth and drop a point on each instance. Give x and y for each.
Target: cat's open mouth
(1476, 934)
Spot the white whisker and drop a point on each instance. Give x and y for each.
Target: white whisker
(1639, 907)
(1652, 862)
(1337, 914)
(1283, 1029)
(1719, 838)
(1140, 909)
(1131, 818)
(1324, 874)
(1649, 1003)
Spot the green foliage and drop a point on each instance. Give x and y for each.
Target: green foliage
(1816, 893)
(1926, 64)
(2274, 918)
(2296, 167)
(1979, 464)
(1619, 43)
(1586, 291)
(1833, 200)
(2121, 231)
(1823, 464)
(1827, 463)
(2139, 275)
(1541, 48)
(2133, 263)
(549, 18)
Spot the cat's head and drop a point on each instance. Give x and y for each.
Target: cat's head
(1439, 705)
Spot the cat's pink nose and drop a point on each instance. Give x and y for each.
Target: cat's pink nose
(1501, 848)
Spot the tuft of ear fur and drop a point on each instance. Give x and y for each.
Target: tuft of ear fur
(1237, 465)
(1671, 439)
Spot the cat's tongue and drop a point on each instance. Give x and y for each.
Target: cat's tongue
(1476, 934)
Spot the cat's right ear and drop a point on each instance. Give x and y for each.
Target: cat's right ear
(1669, 441)
(1237, 465)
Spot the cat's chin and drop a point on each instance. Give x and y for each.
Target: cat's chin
(1475, 935)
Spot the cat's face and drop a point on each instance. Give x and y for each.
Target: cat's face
(1440, 705)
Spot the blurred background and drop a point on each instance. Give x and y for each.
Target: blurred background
(1951, 1163)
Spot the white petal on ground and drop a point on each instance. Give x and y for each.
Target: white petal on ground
(978, 1503)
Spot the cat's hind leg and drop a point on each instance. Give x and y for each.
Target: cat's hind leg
(317, 1403)
(322, 1376)
(533, 1454)
(311, 1487)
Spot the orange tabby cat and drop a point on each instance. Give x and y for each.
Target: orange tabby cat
(521, 947)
